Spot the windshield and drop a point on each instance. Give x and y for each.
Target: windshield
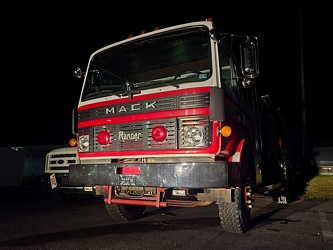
(167, 59)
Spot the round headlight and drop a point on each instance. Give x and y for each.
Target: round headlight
(84, 143)
(193, 136)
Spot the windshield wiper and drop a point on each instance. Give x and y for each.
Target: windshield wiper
(101, 94)
(129, 92)
(161, 82)
(170, 84)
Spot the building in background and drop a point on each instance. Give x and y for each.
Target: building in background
(23, 165)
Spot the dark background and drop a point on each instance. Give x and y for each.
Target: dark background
(42, 44)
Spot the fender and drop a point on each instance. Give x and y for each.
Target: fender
(236, 157)
(234, 174)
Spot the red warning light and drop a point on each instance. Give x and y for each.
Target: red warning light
(159, 133)
(103, 137)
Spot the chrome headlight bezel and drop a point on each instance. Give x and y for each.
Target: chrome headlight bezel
(194, 136)
(83, 144)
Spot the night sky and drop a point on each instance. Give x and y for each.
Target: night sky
(42, 44)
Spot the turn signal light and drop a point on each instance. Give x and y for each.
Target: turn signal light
(226, 131)
(72, 142)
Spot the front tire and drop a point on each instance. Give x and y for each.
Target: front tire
(235, 214)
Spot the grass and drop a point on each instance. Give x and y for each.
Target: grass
(319, 187)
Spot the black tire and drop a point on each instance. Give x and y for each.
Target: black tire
(235, 215)
(288, 191)
(120, 212)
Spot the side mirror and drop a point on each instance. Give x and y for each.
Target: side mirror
(215, 35)
(78, 73)
(249, 57)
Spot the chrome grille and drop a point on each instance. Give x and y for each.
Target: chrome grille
(194, 101)
(136, 136)
(59, 161)
(153, 105)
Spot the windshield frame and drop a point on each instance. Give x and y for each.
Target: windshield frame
(168, 59)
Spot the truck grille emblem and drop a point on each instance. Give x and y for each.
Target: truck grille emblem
(129, 136)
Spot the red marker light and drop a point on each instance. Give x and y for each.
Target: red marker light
(159, 133)
(103, 137)
(129, 170)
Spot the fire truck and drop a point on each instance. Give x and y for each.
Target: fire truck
(173, 117)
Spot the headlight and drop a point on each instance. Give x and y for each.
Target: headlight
(193, 136)
(84, 143)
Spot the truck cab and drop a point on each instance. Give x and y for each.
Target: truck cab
(172, 117)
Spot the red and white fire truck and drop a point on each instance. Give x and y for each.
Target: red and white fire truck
(172, 117)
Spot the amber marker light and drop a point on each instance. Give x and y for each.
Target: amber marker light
(226, 131)
(72, 142)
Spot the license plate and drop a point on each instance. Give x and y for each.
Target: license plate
(127, 180)
(53, 181)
